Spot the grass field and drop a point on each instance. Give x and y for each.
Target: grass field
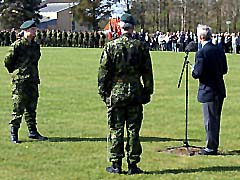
(72, 115)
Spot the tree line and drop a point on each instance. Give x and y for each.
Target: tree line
(152, 15)
(184, 15)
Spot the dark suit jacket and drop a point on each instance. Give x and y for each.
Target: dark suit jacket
(210, 66)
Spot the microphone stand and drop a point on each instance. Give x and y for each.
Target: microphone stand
(185, 141)
(185, 65)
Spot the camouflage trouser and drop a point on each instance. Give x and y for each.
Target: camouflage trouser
(25, 98)
(117, 117)
(81, 43)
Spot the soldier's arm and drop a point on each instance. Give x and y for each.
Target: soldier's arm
(9, 60)
(147, 75)
(104, 75)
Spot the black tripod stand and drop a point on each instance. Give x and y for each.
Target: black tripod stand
(185, 142)
(185, 65)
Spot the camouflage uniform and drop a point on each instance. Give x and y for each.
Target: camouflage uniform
(22, 61)
(49, 38)
(64, 38)
(44, 38)
(102, 39)
(59, 39)
(70, 39)
(97, 38)
(7, 38)
(13, 36)
(39, 37)
(86, 40)
(54, 38)
(91, 40)
(123, 63)
(81, 37)
(75, 39)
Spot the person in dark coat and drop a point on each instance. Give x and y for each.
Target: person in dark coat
(210, 66)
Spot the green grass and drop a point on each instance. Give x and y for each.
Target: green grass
(71, 113)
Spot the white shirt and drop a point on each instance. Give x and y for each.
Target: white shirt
(205, 42)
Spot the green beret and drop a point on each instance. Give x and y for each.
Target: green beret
(28, 24)
(128, 18)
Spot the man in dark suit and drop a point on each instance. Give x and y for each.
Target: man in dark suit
(210, 66)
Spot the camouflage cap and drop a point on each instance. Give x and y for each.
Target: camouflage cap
(128, 18)
(28, 24)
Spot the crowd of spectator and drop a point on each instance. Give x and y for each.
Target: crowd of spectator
(177, 41)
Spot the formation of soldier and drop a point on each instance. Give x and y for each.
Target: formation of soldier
(7, 37)
(57, 38)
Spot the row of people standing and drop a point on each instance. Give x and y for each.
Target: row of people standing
(57, 38)
(229, 42)
(177, 41)
(7, 37)
(170, 41)
(53, 38)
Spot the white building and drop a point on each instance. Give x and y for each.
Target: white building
(60, 17)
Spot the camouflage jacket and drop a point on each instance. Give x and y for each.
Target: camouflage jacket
(125, 73)
(22, 60)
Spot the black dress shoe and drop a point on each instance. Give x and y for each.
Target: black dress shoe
(204, 152)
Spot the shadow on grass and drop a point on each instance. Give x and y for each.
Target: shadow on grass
(227, 153)
(96, 139)
(201, 169)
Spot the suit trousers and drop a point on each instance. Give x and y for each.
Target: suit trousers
(212, 115)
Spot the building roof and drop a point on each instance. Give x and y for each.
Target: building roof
(57, 7)
(50, 11)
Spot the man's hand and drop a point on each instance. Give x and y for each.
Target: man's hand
(192, 67)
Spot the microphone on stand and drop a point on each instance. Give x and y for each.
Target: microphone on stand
(191, 47)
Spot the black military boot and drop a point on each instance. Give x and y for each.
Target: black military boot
(133, 169)
(115, 168)
(34, 134)
(14, 134)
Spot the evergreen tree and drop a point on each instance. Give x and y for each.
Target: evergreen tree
(92, 11)
(15, 12)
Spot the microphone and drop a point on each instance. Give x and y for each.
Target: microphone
(192, 46)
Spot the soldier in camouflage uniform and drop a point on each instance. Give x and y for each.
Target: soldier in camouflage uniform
(75, 39)
(64, 38)
(92, 40)
(49, 38)
(44, 38)
(81, 37)
(1, 37)
(86, 40)
(13, 36)
(69, 39)
(22, 62)
(97, 38)
(102, 39)
(125, 83)
(54, 38)
(59, 38)
(39, 37)
(7, 38)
